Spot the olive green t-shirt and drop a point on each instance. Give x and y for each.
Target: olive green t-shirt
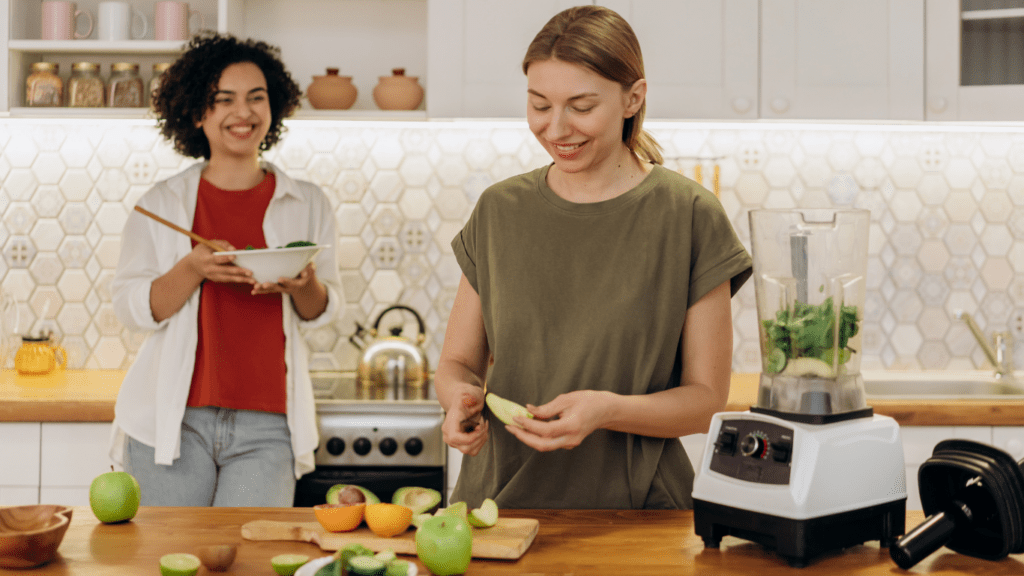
(590, 296)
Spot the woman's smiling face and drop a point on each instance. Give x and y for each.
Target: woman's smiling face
(240, 117)
(577, 115)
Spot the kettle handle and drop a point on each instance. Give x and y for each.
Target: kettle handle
(376, 325)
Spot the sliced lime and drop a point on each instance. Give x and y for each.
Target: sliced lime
(776, 361)
(288, 564)
(179, 564)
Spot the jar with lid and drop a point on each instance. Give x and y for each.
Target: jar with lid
(124, 90)
(43, 87)
(85, 87)
(158, 74)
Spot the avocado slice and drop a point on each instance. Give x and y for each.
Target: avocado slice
(343, 494)
(419, 499)
(504, 409)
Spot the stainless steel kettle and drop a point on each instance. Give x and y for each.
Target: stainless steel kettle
(391, 367)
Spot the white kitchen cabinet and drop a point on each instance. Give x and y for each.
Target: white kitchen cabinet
(73, 453)
(19, 455)
(366, 39)
(974, 70)
(842, 60)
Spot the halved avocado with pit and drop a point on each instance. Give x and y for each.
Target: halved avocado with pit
(420, 500)
(346, 494)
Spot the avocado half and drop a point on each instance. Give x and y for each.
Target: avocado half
(334, 494)
(420, 500)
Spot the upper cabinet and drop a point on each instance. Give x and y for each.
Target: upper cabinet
(975, 68)
(860, 59)
(729, 59)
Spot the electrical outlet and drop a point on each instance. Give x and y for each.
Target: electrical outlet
(1017, 323)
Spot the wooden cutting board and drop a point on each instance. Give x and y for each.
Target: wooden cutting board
(507, 540)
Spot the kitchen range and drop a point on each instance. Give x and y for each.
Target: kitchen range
(381, 443)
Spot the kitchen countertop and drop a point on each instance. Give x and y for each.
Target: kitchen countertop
(89, 395)
(591, 542)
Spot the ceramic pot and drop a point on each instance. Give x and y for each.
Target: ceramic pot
(331, 92)
(398, 91)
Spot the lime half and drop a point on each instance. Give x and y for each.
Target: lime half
(179, 564)
(288, 564)
(776, 361)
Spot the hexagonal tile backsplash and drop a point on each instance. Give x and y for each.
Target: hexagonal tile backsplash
(947, 229)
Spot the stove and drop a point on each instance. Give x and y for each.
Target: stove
(379, 439)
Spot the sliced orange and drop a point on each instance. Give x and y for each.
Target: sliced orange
(386, 520)
(339, 517)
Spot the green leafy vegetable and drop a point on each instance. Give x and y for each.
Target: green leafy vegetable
(299, 243)
(809, 331)
(249, 247)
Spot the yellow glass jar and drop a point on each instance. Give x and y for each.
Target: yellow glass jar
(39, 356)
(43, 87)
(85, 87)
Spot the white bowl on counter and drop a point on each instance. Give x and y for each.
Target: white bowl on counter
(270, 264)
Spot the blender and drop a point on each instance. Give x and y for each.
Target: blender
(810, 468)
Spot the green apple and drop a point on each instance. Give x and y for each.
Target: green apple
(505, 410)
(114, 497)
(445, 544)
(459, 509)
(485, 516)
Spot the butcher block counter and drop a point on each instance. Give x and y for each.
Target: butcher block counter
(578, 542)
(89, 395)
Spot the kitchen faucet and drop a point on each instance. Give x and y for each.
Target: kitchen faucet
(999, 353)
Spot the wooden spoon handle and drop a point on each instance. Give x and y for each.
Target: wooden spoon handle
(173, 226)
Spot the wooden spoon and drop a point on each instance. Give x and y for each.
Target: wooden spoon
(188, 233)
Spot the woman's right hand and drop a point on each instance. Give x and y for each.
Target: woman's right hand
(217, 267)
(464, 427)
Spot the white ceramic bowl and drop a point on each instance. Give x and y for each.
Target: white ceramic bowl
(269, 264)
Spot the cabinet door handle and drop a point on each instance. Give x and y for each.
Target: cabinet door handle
(779, 105)
(740, 105)
(938, 104)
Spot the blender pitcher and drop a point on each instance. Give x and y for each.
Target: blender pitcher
(809, 273)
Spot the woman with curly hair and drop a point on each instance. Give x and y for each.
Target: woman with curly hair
(218, 407)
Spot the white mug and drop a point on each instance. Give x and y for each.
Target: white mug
(170, 20)
(116, 19)
(60, 19)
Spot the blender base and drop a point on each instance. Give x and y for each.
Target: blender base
(800, 540)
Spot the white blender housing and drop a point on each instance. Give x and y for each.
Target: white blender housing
(810, 468)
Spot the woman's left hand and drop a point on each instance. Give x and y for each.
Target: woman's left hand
(287, 285)
(564, 422)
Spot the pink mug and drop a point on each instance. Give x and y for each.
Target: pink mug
(170, 20)
(60, 20)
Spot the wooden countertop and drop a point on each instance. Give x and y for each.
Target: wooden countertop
(89, 395)
(590, 542)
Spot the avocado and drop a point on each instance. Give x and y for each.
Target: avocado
(350, 494)
(419, 499)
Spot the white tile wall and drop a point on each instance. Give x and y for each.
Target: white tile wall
(947, 207)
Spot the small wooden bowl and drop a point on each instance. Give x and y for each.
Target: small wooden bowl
(30, 535)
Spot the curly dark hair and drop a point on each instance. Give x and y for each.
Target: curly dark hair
(187, 89)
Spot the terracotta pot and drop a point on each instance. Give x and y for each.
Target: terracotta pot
(331, 92)
(398, 91)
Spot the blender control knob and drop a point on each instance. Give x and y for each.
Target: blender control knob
(388, 446)
(362, 446)
(336, 446)
(413, 446)
(753, 446)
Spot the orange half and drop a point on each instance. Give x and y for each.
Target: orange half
(339, 517)
(387, 520)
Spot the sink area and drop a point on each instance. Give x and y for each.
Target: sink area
(940, 385)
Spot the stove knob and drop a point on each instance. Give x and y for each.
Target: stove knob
(414, 446)
(388, 446)
(336, 446)
(753, 446)
(362, 446)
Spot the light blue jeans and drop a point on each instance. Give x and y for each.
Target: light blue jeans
(228, 458)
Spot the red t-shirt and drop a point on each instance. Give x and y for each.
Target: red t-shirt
(240, 356)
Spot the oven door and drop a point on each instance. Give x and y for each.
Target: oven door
(383, 481)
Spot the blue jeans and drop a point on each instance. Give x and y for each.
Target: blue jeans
(228, 458)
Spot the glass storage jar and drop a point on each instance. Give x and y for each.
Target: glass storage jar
(158, 73)
(43, 87)
(124, 89)
(85, 87)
